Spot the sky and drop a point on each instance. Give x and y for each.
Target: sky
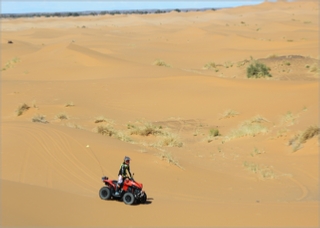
(49, 6)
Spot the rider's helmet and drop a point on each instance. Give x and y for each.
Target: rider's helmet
(127, 159)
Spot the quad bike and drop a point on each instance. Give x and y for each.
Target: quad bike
(130, 192)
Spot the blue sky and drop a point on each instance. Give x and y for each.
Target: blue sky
(22, 6)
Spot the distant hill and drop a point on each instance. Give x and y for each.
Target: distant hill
(102, 12)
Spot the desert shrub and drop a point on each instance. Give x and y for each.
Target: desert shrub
(247, 128)
(145, 130)
(170, 140)
(209, 65)
(22, 108)
(229, 113)
(309, 133)
(62, 116)
(170, 159)
(73, 125)
(258, 70)
(123, 137)
(214, 132)
(258, 119)
(264, 172)
(315, 68)
(298, 139)
(160, 62)
(102, 119)
(289, 118)
(39, 118)
(106, 130)
(69, 104)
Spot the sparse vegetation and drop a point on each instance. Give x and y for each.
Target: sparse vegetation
(314, 68)
(210, 65)
(170, 159)
(242, 63)
(228, 64)
(22, 108)
(289, 118)
(229, 113)
(11, 63)
(256, 152)
(298, 139)
(273, 56)
(258, 70)
(73, 125)
(309, 133)
(145, 130)
(160, 62)
(102, 119)
(106, 130)
(247, 128)
(39, 118)
(62, 116)
(170, 140)
(264, 172)
(69, 104)
(214, 132)
(258, 119)
(122, 136)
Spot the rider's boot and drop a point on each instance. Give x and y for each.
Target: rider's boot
(116, 191)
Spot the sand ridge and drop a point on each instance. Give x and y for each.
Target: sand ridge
(227, 151)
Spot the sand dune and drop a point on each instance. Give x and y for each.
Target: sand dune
(228, 151)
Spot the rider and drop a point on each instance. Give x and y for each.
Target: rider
(124, 172)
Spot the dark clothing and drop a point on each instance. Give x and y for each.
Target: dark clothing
(124, 170)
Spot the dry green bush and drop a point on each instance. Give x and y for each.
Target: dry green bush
(39, 118)
(145, 130)
(160, 62)
(21, 109)
(212, 134)
(247, 128)
(257, 119)
(264, 172)
(289, 118)
(73, 125)
(314, 68)
(209, 65)
(102, 119)
(170, 159)
(256, 152)
(309, 133)
(228, 114)
(122, 136)
(258, 70)
(105, 130)
(298, 139)
(170, 140)
(62, 116)
(69, 104)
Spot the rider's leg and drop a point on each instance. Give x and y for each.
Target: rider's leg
(118, 185)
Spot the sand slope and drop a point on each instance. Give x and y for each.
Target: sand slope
(81, 73)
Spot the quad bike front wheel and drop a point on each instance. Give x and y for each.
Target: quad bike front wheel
(128, 198)
(105, 193)
(143, 199)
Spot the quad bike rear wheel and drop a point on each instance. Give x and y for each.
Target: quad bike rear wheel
(128, 198)
(105, 193)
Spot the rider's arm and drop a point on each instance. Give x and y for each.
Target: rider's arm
(129, 171)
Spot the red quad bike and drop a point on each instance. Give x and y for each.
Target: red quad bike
(131, 191)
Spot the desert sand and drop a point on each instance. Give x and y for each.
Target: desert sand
(227, 151)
